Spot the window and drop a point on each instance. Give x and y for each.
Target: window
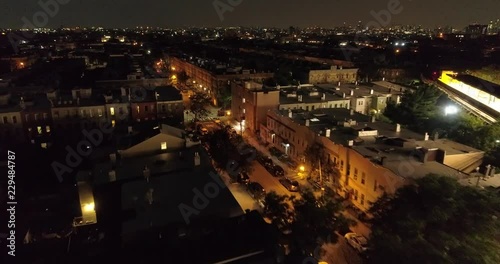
(362, 201)
(138, 109)
(163, 145)
(27, 117)
(375, 186)
(355, 174)
(5, 120)
(14, 120)
(244, 110)
(355, 195)
(243, 100)
(45, 116)
(99, 112)
(112, 111)
(120, 110)
(47, 128)
(146, 108)
(36, 117)
(363, 177)
(113, 123)
(91, 113)
(163, 108)
(39, 130)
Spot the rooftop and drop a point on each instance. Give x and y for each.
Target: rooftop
(384, 144)
(361, 90)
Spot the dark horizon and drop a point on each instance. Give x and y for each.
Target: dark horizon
(256, 13)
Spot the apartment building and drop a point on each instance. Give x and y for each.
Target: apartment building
(333, 75)
(363, 157)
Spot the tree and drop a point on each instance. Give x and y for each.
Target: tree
(436, 220)
(316, 220)
(416, 106)
(314, 153)
(278, 210)
(183, 77)
(197, 105)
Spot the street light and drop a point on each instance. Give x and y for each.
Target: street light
(89, 207)
(450, 110)
(302, 168)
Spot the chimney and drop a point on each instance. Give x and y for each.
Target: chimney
(371, 91)
(22, 104)
(426, 136)
(436, 136)
(488, 170)
(112, 175)
(351, 112)
(328, 131)
(373, 119)
(197, 160)
(323, 97)
(352, 92)
(300, 98)
(307, 122)
(147, 173)
(343, 95)
(290, 114)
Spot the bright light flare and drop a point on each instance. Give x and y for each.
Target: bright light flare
(89, 207)
(450, 110)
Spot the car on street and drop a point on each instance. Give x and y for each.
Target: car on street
(358, 242)
(290, 185)
(256, 190)
(243, 178)
(278, 171)
(266, 161)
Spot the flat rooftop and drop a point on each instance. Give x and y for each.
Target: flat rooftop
(381, 142)
(361, 90)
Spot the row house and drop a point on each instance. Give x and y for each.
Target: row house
(364, 159)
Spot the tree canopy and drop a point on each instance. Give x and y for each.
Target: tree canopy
(198, 104)
(436, 220)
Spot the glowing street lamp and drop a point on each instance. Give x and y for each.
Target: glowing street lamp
(450, 110)
(302, 168)
(89, 207)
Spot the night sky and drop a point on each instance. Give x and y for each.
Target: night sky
(279, 13)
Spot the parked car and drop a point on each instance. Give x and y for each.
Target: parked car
(204, 131)
(278, 171)
(266, 161)
(357, 241)
(243, 178)
(256, 190)
(292, 186)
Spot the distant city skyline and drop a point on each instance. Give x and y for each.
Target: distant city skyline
(199, 13)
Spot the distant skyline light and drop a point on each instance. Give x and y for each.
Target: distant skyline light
(265, 13)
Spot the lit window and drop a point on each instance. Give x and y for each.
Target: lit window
(113, 123)
(138, 109)
(112, 111)
(244, 110)
(363, 176)
(164, 145)
(47, 128)
(99, 112)
(39, 129)
(5, 120)
(243, 101)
